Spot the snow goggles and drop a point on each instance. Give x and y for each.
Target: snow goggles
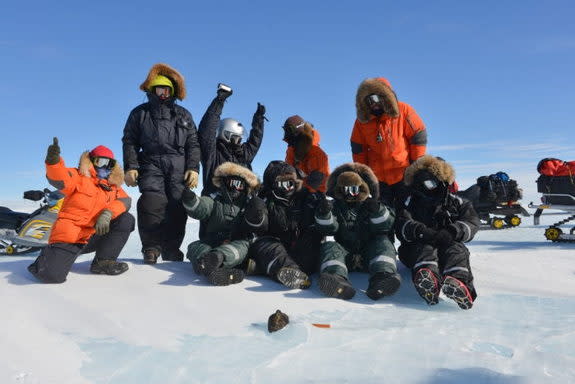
(373, 99)
(429, 184)
(103, 162)
(351, 190)
(286, 185)
(237, 184)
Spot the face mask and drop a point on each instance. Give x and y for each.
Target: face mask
(102, 173)
(375, 104)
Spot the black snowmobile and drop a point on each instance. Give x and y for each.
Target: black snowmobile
(556, 183)
(495, 199)
(22, 232)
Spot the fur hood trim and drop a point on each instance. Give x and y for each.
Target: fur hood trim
(304, 141)
(439, 168)
(278, 170)
(86, 168)
(231, 169)
(379, 86)
(175, 76)
(362, 170)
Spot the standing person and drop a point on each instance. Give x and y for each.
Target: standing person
(287, 245)
(387, 136)
(94, 216)
(221, 139)
(222, 245)
(161, 156)
(432, 228)
(360, 224)
(304, 153)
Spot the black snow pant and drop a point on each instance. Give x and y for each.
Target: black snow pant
(161, 215)
(270, 254)
(451, 261)
(55, 260)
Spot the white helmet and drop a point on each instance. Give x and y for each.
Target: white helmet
(231, 131)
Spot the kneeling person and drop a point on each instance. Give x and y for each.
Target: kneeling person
(222, 245)
(360, 225)
(94, 216)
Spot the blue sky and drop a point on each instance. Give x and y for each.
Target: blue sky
(493, 80)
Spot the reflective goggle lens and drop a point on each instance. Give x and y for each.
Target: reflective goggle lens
(430, 185)
(286, 185)
(373, 99)
(103, 162)
(352, 190)
(236, 184)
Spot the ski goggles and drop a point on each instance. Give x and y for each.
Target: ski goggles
(286, 185)
(429, 184)
(237, 184)
(163, 92)
(373, 99)
(103, 162)
(232, 137)
(351, 190)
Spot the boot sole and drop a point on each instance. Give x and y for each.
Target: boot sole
(225, 276)
(458, 292)
(427, 286)
(332, 287)
(383, 288)
(111, 273)
(293, 278)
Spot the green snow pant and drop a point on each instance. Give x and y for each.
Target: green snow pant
(376, 255)
(234, 251)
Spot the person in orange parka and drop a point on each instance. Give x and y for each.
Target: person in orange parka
(304, 153)
(93, 217)
(387, 136)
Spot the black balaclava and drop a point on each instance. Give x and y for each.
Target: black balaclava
(235, 187)
(428, 186)
(375, 104)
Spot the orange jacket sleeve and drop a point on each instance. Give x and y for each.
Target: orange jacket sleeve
(121, 204)
(358, 144)
(416, 134)
(290, 156)
(319, 168)
(62, 178)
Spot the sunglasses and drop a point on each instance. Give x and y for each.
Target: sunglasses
(286, 185)
(236, 184)
(103, 162)
(351, 190)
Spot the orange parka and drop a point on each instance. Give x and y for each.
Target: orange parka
(390, 143)
(86, 196)
(307, 156)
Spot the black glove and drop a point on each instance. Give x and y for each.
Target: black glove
(34, 195)
(425, 234)
(189, 196)
(443, 239)
(372, 205)
(255, 210)
(261, 110)
(53, 153)
(323, 207)
(223, 93)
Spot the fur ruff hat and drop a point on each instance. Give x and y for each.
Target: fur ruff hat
(437, 167)
(379, 86)
(228, 169)
(353, 174)
(165, 70)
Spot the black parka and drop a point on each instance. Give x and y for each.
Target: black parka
(215, 152)
(160, 141)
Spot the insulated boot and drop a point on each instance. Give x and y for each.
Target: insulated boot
(382, 284)
(427, 285)
(151, 255)
(226, 276)
(334, 285)
(208, 263)
(458, 292)
(173, 255)
(108, 267)
(293, 278)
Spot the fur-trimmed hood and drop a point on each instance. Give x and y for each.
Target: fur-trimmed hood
(437, 167)
(353, 174)
(175, 76)
(228, 169)
(86, 168)
(379, 86)
(278, 170)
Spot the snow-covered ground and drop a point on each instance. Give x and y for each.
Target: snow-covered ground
(163, 324)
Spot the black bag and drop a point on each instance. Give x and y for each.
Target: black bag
(498, 188)
(550, 185)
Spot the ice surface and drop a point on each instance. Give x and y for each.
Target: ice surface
(163, 324)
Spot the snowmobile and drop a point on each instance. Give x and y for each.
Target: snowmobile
(22, 232)
(495, 199)
(556, 183)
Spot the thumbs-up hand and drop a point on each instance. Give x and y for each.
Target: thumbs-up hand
(53, 153)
